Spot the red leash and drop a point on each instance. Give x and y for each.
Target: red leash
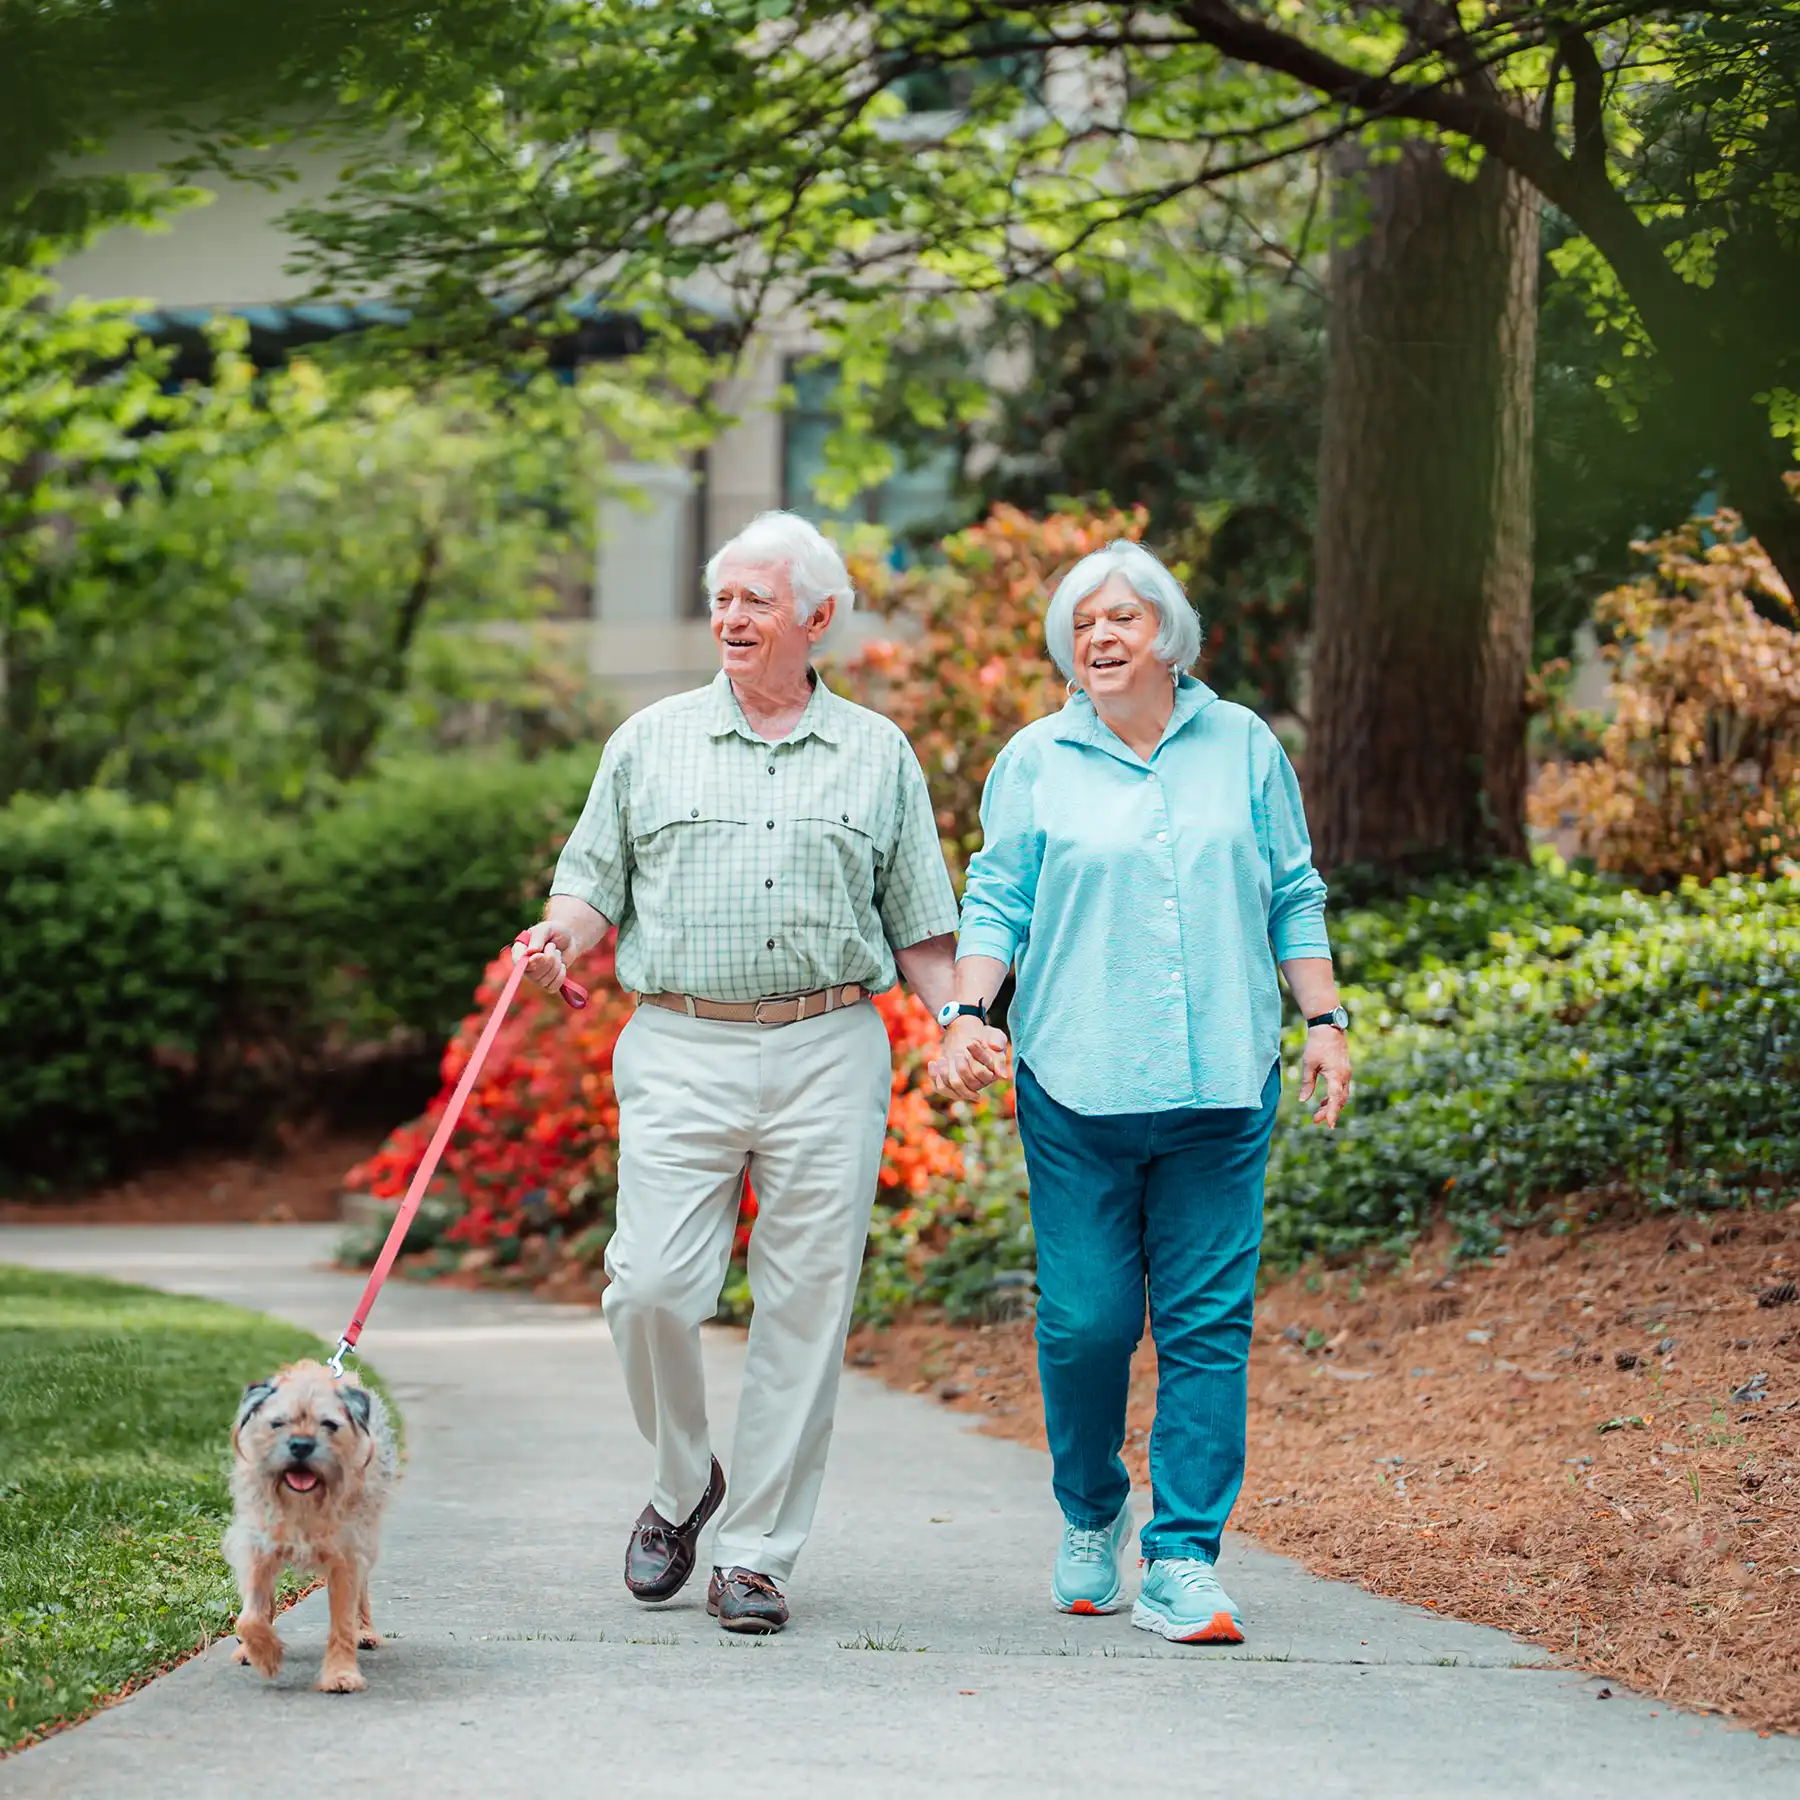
(576, 996)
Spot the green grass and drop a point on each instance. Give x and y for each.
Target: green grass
(115, 1411)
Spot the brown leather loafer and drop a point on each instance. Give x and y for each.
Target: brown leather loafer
(659, 1556)
(743, 1600)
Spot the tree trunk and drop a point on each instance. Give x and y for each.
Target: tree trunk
(1415, 758)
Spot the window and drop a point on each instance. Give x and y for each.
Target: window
(919, 494)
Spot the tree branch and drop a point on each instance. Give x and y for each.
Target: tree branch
(1589, 82)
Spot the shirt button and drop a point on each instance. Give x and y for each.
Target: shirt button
(693, 812)
(1162, 837)
(1174, 974)
(771, 824)
(770, 882)
(771, 768)
(771, 943)
(846, 818)
(1168, 906)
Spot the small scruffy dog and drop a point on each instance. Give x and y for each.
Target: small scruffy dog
(314, 1465)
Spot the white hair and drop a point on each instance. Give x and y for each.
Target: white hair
(1177, 640)
(815, 567)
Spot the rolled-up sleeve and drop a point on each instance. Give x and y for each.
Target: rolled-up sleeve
(1296, 889)
(595, 864)
(913, 896)
(1001, 889)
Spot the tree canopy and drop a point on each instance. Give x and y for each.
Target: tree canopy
(883, 164)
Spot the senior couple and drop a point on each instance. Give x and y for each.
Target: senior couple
(768, 852)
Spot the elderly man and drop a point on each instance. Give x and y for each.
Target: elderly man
(768, 853)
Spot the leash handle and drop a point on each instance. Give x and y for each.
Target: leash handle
(576, 996)
(572, 992)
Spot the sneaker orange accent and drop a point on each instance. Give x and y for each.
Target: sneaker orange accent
(1223, 1629)
(1084, 1606)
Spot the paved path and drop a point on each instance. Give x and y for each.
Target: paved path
(924, 1658)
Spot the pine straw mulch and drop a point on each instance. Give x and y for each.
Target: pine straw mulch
(1593, 1442)
(301, 1183)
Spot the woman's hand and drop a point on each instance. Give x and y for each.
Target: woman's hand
(548, 945)
(1327, 1054)
(971, 1057)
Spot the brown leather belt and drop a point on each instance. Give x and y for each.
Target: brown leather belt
(789, 1009)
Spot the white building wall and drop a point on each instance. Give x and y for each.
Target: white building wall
(228, 253)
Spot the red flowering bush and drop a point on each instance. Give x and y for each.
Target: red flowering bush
(536, 1149)
(970, 667)
(537, 1144)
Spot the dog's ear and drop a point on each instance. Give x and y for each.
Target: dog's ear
(357, 1404)
(254, 1395)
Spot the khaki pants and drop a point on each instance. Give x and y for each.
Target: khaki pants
(803, 1107)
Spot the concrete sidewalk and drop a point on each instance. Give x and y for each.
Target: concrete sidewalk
(924, 1657)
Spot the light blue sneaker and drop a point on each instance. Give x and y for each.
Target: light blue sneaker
(1087, 1566)
(1181, 1599)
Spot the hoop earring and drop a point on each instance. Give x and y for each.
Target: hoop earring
(1069, 689)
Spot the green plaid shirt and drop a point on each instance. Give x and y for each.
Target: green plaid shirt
(737, 869)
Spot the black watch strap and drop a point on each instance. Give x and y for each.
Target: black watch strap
(1337, 1016)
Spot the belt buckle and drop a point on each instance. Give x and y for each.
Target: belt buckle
(756, 1012)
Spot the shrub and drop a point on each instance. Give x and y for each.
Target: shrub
(407, 887)
(1650, 1056)
(537, 1146)
(972, 668)
(536, 1151)
(1698, 773)
(167, 969)
(135, 952)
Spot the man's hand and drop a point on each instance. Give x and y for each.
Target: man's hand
(548, 944)
(972, 1056)
(1327, 1054)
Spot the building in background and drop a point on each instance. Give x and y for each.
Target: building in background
(642, 613)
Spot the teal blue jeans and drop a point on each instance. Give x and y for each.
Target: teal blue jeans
(1168, 1206)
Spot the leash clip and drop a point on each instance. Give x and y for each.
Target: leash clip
(336, 1362)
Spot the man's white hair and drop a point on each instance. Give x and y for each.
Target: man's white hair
(1177, 639)
(815, 567)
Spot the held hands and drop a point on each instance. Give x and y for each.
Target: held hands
(971, 1057)
(549, 945)
(1327, 1055)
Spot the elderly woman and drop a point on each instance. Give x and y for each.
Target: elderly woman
(1145, 865)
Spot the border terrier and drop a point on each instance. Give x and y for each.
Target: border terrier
(314, 1464)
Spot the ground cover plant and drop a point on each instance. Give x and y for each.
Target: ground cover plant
(174, 973)
(115, 1405)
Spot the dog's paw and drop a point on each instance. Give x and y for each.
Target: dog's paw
(263, 1653)
(369, 1638)
(342, 1679)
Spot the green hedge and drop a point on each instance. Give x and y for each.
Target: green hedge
(167, 969)
(126, 935)
(1561, 1037)
(414, 882)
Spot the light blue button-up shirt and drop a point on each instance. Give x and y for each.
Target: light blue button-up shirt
(1145, 904)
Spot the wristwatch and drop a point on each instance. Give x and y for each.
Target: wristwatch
(952, 1010)
(1337, 1016)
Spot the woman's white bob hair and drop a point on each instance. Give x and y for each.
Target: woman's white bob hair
(816, 569)
(1178, 639)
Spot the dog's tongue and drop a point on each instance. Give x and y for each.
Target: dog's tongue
(302, 1481)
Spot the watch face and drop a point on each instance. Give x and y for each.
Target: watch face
(946, 1012)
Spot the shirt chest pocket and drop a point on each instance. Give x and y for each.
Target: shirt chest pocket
(830, 865)
(692, 853)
